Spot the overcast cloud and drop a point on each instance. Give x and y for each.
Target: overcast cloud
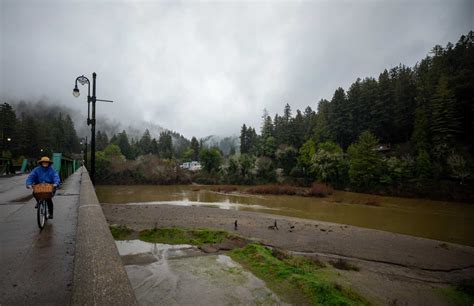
(202, 67)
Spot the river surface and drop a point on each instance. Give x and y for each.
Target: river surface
(447, 221)
(163, 274)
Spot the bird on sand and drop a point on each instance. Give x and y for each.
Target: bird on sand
(274, 226)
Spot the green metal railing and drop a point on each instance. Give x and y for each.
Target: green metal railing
(65, 166)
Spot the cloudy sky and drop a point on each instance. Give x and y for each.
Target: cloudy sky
(206, 67)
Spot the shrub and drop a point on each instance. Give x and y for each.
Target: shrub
(319, 190)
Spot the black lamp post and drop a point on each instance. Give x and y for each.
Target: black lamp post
(90, 121)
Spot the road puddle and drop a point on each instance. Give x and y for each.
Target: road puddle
(163, 274)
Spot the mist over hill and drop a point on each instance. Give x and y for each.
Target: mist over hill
(112, 126)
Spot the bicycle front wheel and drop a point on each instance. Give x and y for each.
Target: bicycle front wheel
(41, 213)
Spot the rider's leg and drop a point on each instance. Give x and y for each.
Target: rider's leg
(50, 207)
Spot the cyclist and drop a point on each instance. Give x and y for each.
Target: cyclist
(44, 173)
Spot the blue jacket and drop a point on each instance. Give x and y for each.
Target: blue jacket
(43, 175)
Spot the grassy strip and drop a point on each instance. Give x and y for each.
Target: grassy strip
(182, 236)
(459, 295)
(298, 279)
(120, 232)
(290, 275)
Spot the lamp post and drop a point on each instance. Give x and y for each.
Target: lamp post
(90, 121)
(83, 80)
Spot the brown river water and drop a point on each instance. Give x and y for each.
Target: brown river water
(446, 221)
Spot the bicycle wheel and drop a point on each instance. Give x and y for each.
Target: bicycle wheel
(41, 213)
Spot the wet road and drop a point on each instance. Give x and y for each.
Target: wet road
(36, 267)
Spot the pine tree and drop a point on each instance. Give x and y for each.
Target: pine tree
(8, 132)
(382, 111)
(165, 145)
(404, 102)
(445, 124)
(267, 127)
(298, 130)
(124, 145)
(195, 147)
(145, 143)
(102, 141)
(321, 129)
(244, 142)
(339, 118)
(309, 123)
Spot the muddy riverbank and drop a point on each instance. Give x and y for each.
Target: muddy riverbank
(393, 268)
(451, 222)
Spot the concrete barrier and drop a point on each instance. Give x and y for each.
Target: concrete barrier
(99, 275)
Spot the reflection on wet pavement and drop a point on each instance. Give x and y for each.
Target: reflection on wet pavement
(163, 274)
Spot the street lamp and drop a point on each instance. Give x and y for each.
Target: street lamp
(90, 99)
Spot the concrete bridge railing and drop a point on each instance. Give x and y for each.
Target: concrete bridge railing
(99, 275)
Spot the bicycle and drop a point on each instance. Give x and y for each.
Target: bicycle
(42, 192)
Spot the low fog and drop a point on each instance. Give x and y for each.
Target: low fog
(206, 67)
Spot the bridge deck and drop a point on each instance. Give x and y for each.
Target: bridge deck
(37, 267)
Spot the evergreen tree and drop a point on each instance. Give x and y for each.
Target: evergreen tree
(382, 111)
(124, 145)
(144, 144)
(287, 113)
(339, 119)
(364, 161)
(154, 147)
(71, 143)
(287, 158)
(8, 132)
(165, 145)
(309, 123)
(101, 141)
(321, 128)
(286, 132)
(404, 92)
(210, 159)
(298, 130)
(445, 124)
(278, 129)
(423, 164)
(244, 142)
(195, 147)
(267, 127)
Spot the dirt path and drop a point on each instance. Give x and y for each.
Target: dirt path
(394, 268)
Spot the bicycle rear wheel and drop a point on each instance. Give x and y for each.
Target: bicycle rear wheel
(41, 213)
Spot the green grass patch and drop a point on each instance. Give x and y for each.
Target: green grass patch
(291, 275)
(182, 236)
(460, 294)
(120, 232)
